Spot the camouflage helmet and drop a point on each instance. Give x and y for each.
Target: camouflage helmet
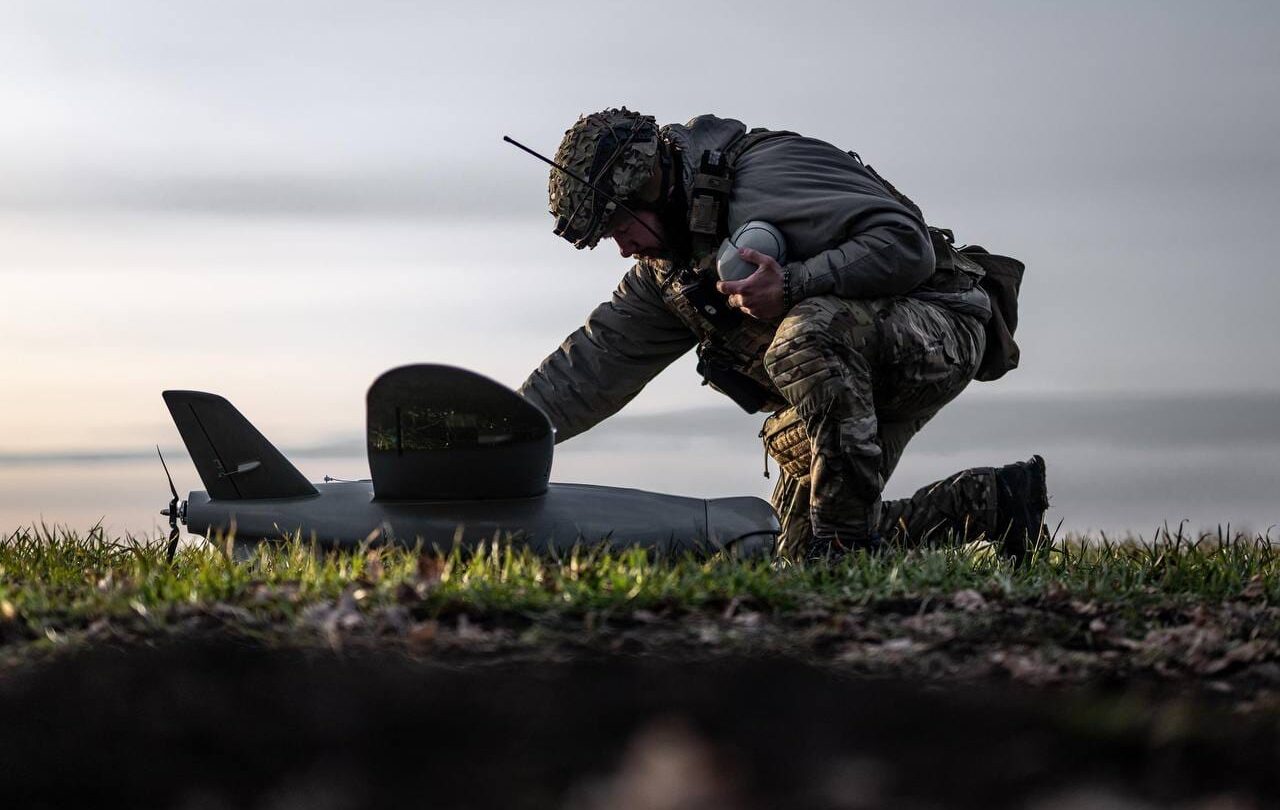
(614, 149)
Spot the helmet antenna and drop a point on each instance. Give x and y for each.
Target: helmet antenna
(588, 184)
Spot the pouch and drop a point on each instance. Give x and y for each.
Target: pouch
(1002, 281)
(787, 443)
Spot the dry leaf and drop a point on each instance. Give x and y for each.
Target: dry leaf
(968, 600)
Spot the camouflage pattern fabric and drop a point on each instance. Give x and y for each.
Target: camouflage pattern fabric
(616, 149)
(958, 508)
(862, 378)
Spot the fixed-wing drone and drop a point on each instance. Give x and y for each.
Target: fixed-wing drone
(455, 458)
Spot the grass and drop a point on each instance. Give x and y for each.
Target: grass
(53, 581)
(1175, 611)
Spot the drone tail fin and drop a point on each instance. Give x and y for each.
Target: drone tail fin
(234, 460)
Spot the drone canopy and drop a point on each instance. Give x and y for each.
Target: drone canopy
(444, 433)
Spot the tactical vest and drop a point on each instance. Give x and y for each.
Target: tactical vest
(731, 345)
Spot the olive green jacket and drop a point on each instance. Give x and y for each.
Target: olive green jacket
(851, 237)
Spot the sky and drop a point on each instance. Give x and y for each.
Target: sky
(277, 201)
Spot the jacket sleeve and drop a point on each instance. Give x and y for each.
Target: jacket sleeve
(599, 368)
(846, 234)
(886, 255)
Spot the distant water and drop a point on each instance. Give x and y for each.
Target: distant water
(1115, 465)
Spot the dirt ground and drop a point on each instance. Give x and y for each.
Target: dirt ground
(1230, 650)
(631, 716)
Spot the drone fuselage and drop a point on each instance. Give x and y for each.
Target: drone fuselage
(347, 513)
(455, 458)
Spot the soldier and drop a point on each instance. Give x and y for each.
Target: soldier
(853, 344)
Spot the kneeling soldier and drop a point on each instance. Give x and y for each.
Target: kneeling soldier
(854, 343)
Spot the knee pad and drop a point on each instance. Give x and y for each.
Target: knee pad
(817, 340)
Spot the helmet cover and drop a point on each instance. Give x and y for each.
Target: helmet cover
(615, 149)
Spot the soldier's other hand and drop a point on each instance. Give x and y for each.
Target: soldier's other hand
(759, 294)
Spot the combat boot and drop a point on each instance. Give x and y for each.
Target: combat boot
(1022, 496)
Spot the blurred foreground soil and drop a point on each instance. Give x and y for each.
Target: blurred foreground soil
(226, 721)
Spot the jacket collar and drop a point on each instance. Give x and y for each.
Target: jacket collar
(700, 134)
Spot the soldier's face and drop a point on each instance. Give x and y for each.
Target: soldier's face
(632, 238)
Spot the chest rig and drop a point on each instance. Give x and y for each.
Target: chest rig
(731, 345)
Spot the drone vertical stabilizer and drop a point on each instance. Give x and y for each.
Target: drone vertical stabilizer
(234, 460)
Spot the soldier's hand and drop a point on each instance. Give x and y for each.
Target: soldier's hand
(759, 294)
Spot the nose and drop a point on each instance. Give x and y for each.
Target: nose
(625, 246)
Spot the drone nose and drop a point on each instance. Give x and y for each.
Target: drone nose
(165, 511)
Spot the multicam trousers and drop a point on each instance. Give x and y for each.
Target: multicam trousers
(862, 377)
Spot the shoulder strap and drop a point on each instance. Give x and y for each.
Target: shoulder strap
(709, 202)
(709, 196)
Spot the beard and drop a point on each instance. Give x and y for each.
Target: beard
(676, 245)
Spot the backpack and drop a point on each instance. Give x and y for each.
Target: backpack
(1001, 280)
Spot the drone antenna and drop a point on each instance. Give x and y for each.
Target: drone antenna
(588, 184)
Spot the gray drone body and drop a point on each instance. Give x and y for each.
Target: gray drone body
(455, 458)
(757, 235)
